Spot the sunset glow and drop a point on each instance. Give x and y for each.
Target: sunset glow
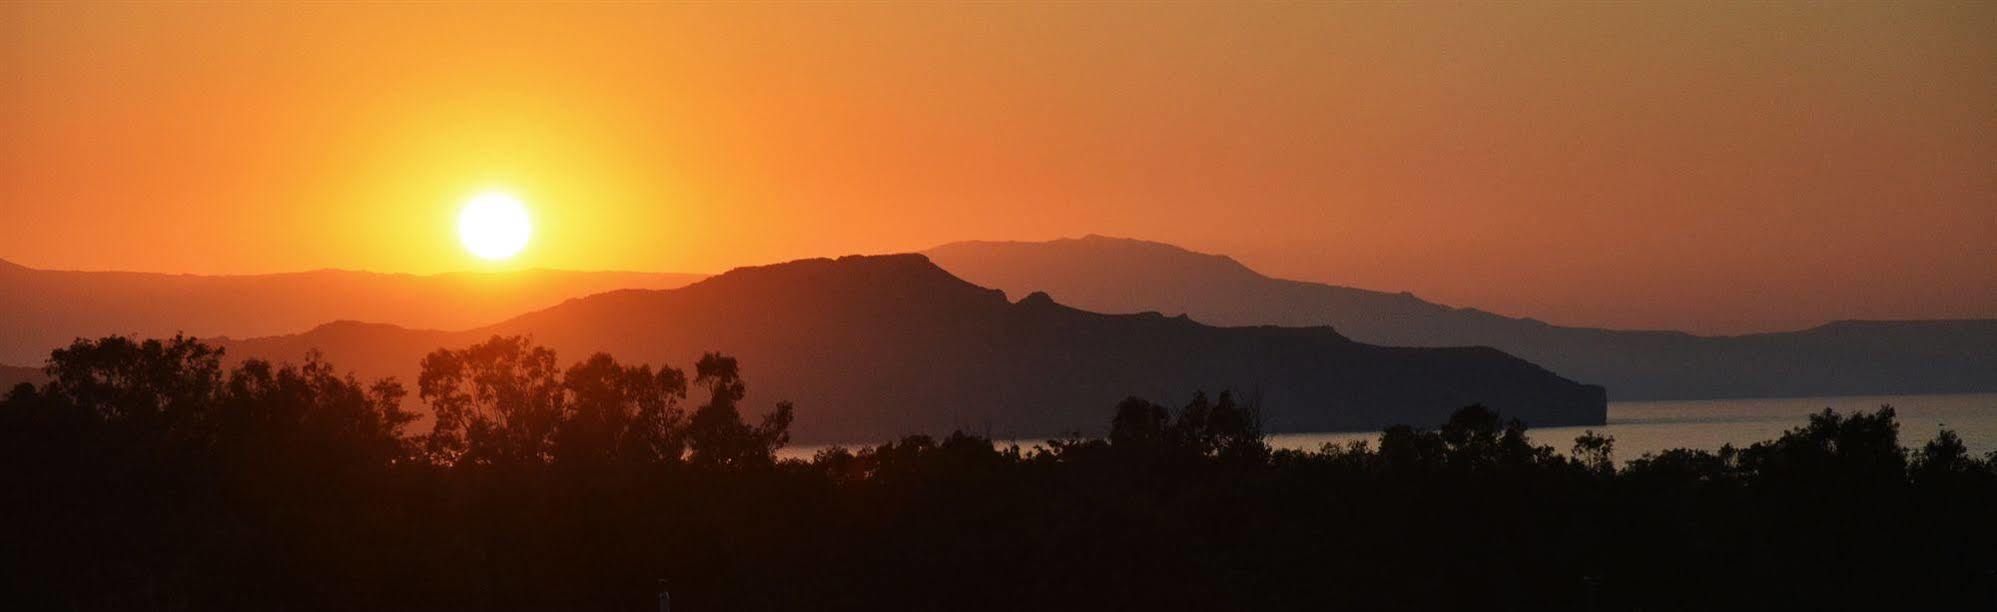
(1719, 169)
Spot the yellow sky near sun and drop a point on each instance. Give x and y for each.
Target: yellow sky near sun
(1713, 168)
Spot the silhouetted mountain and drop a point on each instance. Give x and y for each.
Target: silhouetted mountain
(875, 347)
(44, 309)
(1844, 358)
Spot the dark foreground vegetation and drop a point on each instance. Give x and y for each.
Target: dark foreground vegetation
(144, 475)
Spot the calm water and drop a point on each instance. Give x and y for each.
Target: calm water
(1648, 427)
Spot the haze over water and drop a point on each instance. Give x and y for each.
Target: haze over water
(1650, 427)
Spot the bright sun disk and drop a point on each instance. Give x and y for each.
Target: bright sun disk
(494, 226)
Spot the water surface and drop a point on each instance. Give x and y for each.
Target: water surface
(1649, 427)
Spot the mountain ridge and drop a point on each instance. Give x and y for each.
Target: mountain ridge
(46, 309)
(878, 346)
(1835, 358)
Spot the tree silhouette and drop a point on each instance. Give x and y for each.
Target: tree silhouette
(1139, 424)
(144, 383)
(616, 412)
(1596, 452)
(716, 434)
(498, 401)
(145, 475)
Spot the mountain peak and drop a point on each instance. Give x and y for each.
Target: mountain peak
(1099, 238)
(1131, 255)
(907, 277)
(1152, 247)
(901, 266)
(1037, 298)
(350, 325)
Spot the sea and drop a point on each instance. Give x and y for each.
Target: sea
(1641, 428)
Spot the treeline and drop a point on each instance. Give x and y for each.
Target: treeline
(143, 475)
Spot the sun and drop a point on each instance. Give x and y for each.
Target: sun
(494, 226)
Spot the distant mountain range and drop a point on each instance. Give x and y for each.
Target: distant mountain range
(1844, 358)
(44, 309)
(873, 347)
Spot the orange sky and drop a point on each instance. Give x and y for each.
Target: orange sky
(1719, 169)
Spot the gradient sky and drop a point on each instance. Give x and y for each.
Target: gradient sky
(1712, 168)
